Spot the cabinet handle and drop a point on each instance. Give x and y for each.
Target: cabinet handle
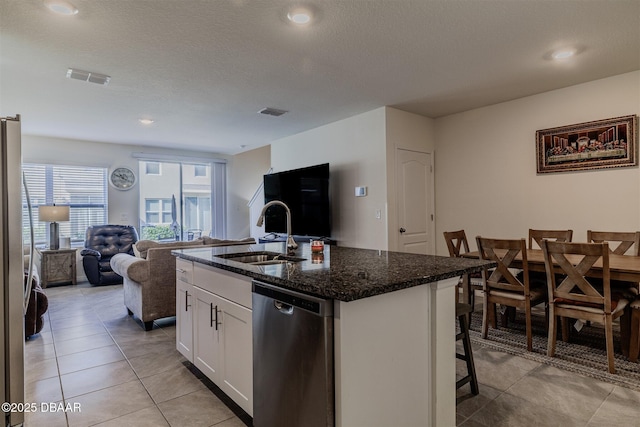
(211, 316)
(186, 301)
(179, 270)
(214, 320)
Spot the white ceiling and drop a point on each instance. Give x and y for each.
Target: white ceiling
(203, 68)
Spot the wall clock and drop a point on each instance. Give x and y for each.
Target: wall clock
(122, 178)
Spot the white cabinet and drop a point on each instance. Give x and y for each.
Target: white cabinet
(184, 308)
(223, 346)
(206, 337)
(236, 354)
(219, 303)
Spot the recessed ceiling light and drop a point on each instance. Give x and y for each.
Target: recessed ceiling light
(563, 54)
(299, 16)
(146, 122)
(61, 7)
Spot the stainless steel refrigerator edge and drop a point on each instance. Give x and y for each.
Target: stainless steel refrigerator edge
(11, 267)
(293, 378)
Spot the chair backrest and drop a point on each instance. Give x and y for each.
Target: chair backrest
(575, 260)
(504, 253)
(556, 235)
(624, 240)
(456, 240)
(111, 239)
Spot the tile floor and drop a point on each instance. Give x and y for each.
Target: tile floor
(91, 353)
(519, 392)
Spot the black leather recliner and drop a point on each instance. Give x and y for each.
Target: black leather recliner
(101, 243)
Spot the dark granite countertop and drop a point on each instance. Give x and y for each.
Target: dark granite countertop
(340, 273)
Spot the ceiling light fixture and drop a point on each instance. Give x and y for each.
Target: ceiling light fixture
(146, 122)
(563, 54)
(61, 7)
(299, 16)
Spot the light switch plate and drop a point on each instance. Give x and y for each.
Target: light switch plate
(361, 191)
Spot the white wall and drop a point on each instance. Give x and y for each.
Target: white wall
(356, 152)
(486, 180)
(361, 152)
(245, 176)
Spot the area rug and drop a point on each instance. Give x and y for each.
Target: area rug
(585, 353)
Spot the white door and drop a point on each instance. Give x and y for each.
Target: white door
(237, 355)
(206, 335)
(414, 193)
(184, 319)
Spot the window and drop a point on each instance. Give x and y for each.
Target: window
(197, 210)
(84, 189)
(158, 211)
(152, 168)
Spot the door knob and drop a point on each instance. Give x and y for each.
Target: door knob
(402, 230)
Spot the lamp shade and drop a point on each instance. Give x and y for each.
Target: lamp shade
(53, 213)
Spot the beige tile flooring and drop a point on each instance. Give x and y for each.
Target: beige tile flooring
(91, 353)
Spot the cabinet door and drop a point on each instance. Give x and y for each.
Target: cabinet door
(184, 319)
(236, 375)
(206, 337)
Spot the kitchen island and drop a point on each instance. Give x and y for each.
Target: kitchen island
(394, 324)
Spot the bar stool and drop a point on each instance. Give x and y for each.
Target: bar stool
(634, 345)
(463, 313)
(458, 245)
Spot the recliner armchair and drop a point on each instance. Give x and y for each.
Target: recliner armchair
(101, 243)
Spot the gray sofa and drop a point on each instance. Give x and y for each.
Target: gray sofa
(149, 276)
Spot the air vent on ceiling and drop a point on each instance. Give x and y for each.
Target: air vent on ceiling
(88, 76)
(272, 112)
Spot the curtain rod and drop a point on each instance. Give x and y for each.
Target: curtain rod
(175, 159)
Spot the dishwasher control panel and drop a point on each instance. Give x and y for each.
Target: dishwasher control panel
(309, 303)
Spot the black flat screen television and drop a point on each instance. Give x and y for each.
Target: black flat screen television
(306, 192)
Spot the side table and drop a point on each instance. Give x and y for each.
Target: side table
(57, 266)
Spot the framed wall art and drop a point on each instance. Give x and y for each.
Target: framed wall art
(600, 144)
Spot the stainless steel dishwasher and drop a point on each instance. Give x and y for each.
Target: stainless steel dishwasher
(293, 383)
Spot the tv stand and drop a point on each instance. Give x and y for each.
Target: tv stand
(273, 237)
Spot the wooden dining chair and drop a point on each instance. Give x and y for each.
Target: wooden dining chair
(458, 245)
(502, 287)
(555, 235)
(536, 236)
(456, 242)
(627, 243)
(578, 298)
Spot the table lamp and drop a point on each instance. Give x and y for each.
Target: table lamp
(53, 214)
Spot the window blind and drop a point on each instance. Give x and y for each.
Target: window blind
(84, 189)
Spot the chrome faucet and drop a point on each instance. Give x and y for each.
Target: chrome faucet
(291, 244)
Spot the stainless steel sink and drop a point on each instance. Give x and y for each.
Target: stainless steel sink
(261, 258)
(270, 262)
